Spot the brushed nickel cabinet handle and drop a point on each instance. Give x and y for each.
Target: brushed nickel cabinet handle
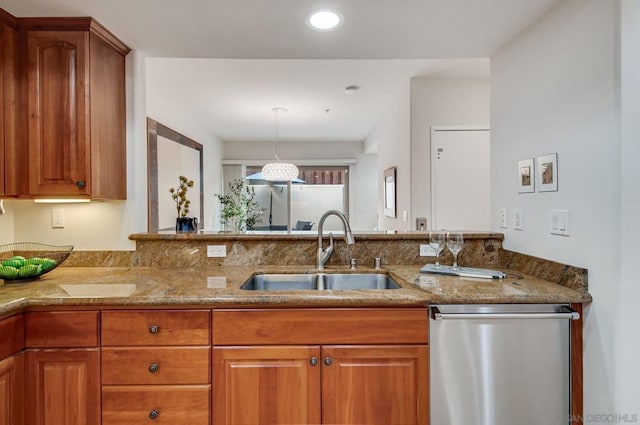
(313, 361)
(153, 368)
(328, 361)
(154, 329)
(154, 414)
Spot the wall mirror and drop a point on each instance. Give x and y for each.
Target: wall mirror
(169, 155)
(390, 192)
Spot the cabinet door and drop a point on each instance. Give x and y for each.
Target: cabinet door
(266, 385)
(63, 387)
(375, 385)
(58, 90)
(12, 390)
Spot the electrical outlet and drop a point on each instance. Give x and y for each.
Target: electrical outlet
(517, 219)
(57, 218)
(426, 250)
(216, 250)
(503, 218)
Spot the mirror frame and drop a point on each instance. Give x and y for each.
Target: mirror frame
(155, 129)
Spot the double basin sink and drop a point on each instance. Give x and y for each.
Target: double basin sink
(319, 281)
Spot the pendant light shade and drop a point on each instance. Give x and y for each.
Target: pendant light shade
(279, 171)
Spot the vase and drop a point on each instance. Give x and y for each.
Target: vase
(186, 225)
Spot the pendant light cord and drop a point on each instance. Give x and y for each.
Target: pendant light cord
(276, 111)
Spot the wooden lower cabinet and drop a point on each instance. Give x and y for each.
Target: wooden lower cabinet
(375, 385)
(157, 404)
(266, 385)
(12, 390)
(63, 386)
(329, 384)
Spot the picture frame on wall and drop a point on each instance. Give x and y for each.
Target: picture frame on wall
(547, 171)
(526, 176)
(390, 192)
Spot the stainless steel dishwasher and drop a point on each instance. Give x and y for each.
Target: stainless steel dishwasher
(500, 364)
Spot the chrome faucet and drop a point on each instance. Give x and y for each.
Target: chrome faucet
(324, 254)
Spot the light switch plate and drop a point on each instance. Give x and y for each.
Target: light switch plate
(502, 218)
(560, 222)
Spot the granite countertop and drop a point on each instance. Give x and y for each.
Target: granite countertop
(220, 287)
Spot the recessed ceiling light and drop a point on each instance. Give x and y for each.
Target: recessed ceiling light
(324, 20)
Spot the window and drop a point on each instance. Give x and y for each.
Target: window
(320, 188)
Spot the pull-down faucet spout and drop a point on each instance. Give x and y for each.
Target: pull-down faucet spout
(324, 254)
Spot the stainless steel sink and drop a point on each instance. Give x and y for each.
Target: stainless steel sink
(356, 281)
(319, 281)
(281, 282)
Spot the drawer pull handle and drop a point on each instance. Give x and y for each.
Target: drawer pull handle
(313, 361)
(80, 184)
(328, 361)
(154, 329)
(153, 368)
(154, 414)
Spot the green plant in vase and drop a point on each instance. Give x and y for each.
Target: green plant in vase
(184, 223)
(240, 210)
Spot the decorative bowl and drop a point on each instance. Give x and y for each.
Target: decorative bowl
(25, 261)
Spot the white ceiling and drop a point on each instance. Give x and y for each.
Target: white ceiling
(235, 97)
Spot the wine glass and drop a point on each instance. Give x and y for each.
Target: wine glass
(454, 243)
(437, 241)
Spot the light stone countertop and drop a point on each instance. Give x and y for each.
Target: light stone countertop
(220, 287)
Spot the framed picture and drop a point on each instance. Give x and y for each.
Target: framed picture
(547, 167)
(526, 176)
(390, 192)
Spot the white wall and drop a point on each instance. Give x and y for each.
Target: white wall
(391, 138)
(555, 89)
(440, 102)
(6, 224)
(192, 124)
(628, 342)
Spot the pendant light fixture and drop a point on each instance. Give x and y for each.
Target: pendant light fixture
(279, 171)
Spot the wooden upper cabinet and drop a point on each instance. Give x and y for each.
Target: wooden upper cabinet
(8, 107)
(76, 109)
(58, 113)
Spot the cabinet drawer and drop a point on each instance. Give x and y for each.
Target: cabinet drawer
(174, 365)
(320, 326)
(158, 404)
(155, 327)
(62, 329)
(11, 335)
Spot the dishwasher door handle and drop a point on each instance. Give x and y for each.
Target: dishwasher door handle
(565, 313)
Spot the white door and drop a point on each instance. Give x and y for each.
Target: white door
(460, 178)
